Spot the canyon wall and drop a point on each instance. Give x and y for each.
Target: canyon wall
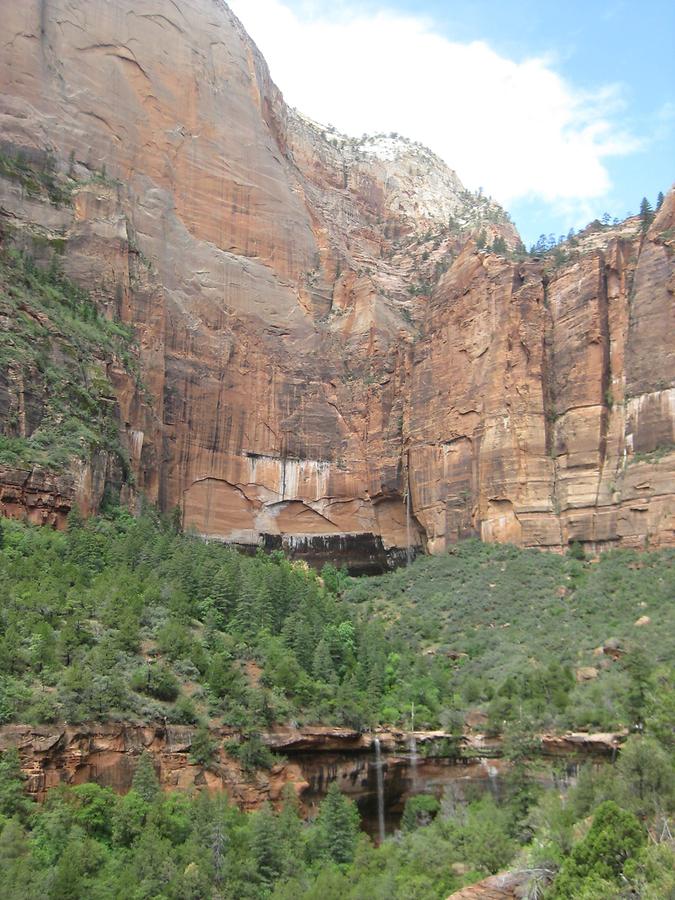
(309, 759)
(330, 364)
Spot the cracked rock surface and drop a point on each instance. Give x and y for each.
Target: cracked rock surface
(319, 336)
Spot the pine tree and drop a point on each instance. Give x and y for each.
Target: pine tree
(224, 590)
(646, 213)
(145, 781)
(280, 591)
(13, 800)
(246, 617)
(266, 845)
(338, 826)
(75, 519)
(176, 520)
(638, 668)
(659, 201)
(323, 667)
(202, 747)
(646, 775)
(13, 846)
(291, 831)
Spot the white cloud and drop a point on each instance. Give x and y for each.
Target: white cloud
(517, 129)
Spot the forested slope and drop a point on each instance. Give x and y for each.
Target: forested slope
(123, 617)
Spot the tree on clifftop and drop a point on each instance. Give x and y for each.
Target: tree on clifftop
(646, 213)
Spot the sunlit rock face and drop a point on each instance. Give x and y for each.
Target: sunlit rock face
(319, 336)
(541, 404)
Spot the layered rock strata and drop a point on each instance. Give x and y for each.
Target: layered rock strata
(330, 363)
(309, 760)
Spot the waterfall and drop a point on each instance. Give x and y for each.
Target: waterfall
(493, 778)
(380, 788)
(412, 745)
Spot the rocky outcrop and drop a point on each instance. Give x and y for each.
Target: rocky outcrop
(320, 337)
(310, 758)
(504, 886)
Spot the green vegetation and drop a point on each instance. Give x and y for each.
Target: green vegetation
(652, 456)
(123, 617)
(646, 214)
(84, 842)
(502, 630)
(37, 179)
(126, 617)
(57, 342)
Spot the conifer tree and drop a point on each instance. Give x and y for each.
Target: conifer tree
(338, 826)
(249, 615)
(224, 590)
(659, 201)
(266, 846)
(323, 667)
(145, 781)
(13, 800)
(291, 831)
(203, 747)
(646, 213)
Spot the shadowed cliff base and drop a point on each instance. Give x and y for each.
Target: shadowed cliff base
(313, 758)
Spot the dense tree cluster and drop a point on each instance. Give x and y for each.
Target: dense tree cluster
(123, 617)
(127, 617)
(116, 616)
(607, 837)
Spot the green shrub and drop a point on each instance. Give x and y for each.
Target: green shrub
(156, 681)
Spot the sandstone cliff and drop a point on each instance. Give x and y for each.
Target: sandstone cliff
(321, 342)
(310, 759)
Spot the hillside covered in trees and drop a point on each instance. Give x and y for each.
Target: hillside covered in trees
(127, 618)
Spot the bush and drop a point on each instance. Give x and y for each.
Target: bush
(419, 811)
(252, 753)
(156, 681)
(614, 837)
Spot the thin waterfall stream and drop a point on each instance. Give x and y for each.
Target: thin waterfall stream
(414, 757)
(380, 788)
(412, 746)
(408, 550)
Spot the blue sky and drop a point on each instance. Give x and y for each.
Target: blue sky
(560, 110)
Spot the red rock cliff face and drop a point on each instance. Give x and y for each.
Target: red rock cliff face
(318, 334)
(541, 399)
(312, 757)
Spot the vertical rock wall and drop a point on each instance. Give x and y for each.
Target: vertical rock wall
(318, 334)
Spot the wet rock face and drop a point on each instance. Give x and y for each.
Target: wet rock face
(318, 337)
(312, 758)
